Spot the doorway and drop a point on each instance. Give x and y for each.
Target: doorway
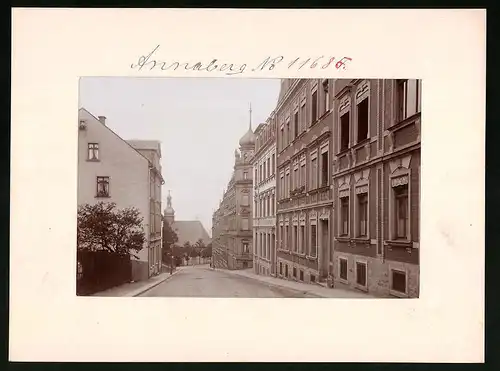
(325, 245)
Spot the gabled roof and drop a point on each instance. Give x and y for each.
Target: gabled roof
(190, 231)
(119, 137)
(139, 144)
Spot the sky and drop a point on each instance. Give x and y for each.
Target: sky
(198, 122)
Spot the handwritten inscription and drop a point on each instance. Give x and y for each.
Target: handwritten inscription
(149, 62)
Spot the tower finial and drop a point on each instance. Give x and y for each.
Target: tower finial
(250, 111)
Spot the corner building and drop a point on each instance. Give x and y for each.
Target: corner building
(304, 191)
(232, 221)
(264, 210)
(376, 178)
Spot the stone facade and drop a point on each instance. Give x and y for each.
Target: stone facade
(111, 170)
(264, 188)
(304, 189)
(232, 221)
(376, 178)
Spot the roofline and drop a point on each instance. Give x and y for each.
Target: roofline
(107, 127)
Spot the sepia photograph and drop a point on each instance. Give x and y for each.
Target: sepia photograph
(253, 188)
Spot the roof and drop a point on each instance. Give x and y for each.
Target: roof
(190, 231)
(111, 131)
(153, 145)
(248, 138)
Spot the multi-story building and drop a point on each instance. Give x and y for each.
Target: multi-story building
(111, 170)
(264, 210)
(232, 222)
(151, 149)
(304, 190)
(377, 185)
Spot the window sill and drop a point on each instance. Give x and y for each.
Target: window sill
(361, 240)
(93, 160)
(361, 144)
(401, 124)
(398, 293)
(343, 152)
(102, 196)
(344, 281)
(309, 257)
(343, 239)
(361, 287)
(399, 243)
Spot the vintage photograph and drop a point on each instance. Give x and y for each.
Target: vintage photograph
(248, 188)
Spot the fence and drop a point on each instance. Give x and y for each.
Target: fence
(101, 270)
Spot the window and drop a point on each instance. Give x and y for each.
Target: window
(326, 95)
(282, 138)
(103, 186)
(313, 240)
(361, 274)
(303, 116)
(245, 175)
(244, 224)
(281, 268)
(294, 238)
(314, 173)
(314, 107)
(398, 281)
(363, 120)
(269, 172)
(362, 214)
(302, 239)
(344, 131)
(344, 216)
(402, 96)
(261, 177)
(281, 237)
(301, 275)
(256, 176)
(296, 178)
(244, 200)
(296, 124)
(303, 174)
(313, 278)
(324, 169)
(256, 209)
(287, 185)
(294, 272)
(286, 270)
(93, 151)
(272, 204)
(273, 165)
(245, 247)
(286, 238)
(343, 269)
(264, 171)
(288, 136)
(401, 214)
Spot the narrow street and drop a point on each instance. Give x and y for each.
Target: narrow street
(201, 281)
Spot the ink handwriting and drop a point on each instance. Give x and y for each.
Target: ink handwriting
(149, 62)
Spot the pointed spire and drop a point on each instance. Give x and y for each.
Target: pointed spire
(250, 112)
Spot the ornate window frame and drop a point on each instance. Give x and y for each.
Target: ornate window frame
(313, 156)
(363, 90)
(313, 220)
(400, 173)
(361, 186)
(344, 107)
(344, 190)
(365, 263)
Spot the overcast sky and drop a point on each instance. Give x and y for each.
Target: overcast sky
(198, 121)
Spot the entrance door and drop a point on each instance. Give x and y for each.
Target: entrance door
(325, 245)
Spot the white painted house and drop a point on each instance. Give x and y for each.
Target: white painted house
(112, 170)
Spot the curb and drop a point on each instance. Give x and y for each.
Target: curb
(282, 286)
(156, 284)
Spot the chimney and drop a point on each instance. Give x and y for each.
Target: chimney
(102, 119)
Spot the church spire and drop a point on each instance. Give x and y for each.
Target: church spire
(250, 113)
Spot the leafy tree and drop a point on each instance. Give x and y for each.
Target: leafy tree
(169, 239)
(104, 227)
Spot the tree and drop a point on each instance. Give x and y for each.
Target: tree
(104, 227)
(187, 250)
(169, 239)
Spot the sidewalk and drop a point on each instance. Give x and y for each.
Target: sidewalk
(137, 288)
(311, 289)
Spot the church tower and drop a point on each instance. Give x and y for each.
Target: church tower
(169, 213)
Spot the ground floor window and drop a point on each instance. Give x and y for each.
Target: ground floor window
(281, 268)
(313, 278)
(398, 281)
(343, 268)
(286, 270)
(294, 272)
(301, 275)
(361, 273)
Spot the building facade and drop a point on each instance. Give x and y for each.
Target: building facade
(151, 149)
(232, 221)
(304, 215)
(111, 170)
(376, 181)
(264, 198)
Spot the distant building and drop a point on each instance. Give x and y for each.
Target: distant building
(187, 230)
(264, 210)
(111, 170)
(232, 222)
(151, 149)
